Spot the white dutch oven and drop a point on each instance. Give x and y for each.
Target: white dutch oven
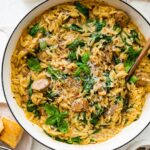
(37, 133)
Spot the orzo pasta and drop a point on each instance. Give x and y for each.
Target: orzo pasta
(69, 70)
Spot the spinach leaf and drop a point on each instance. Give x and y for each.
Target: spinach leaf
(43, 31)
(118, 99)
(117, 28)
(76, 140)
(30, 88)
(51, 120)
(56, 74)
(62, 140)
(107, 81)
(63, 126)
(116, 60)
(85, 57)
(99, 25)
(96, 37)
(134, 36)
(75, 27)
(88, 84)
(96, 131)
(51, 110)
(56, 118)
(34, 64)
(95, 116)
(35, 29)
(52, 95)
(31, 107)
(133, 79)
(128, 64)
(82, 9)
(72, 55)
(107, 38)
(83, 66)
(132, 55)
(75, 44)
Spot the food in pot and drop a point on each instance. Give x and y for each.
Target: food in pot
(69, 70)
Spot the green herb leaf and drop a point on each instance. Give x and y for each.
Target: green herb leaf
(30, 88)
(52, 95)
(42, 30)
(56, 118)
(37, 113)
(75, 44)
(118, 99)
(34, 64)
(134, 36)
(107, 81)
(95, 116)
(85, 57)
(31, 107)
(76, 140)
(96, 131)
(43, 44)
(132, 55)
(56, 74)
(51, 120)
(72, 55)
(88, 84)
(117, 28)
(133, 79)
(75, 27)
(128, 64)
(97, 37)
(51, 110)
(82, 9)
(63, 114)
(107, 38)
(116, 59)
(82, 68)
(99, 25)
(63, 126)
(33, 30)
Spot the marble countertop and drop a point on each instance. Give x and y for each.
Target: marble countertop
(11, 12)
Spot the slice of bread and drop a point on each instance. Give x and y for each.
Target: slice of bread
(11, 133)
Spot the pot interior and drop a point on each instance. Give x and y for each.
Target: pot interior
(123, 137)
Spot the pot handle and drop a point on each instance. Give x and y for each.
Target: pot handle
(5, 32)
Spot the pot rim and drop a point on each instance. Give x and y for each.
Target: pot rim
(2, 65)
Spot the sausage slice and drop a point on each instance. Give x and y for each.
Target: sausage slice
(40, 84)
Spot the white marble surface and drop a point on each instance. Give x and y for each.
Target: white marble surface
(11, 11)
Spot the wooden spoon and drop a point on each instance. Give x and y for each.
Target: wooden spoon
(139, 59)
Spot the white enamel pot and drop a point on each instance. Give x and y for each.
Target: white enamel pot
(126, 135)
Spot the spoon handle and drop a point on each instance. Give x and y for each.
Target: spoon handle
(139, 59)
(4, 148)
